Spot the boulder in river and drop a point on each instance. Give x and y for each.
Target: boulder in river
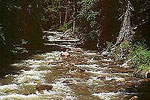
(65, 55)
(76, 49)
(121, 80)
(40, 87)
(134, 98)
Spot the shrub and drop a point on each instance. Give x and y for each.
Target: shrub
(140, 57)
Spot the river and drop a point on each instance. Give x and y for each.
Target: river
(71, 74)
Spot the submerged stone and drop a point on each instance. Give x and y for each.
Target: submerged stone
(134, 98)
(40, 87)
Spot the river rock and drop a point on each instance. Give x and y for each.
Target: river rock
(104, 53)
(147, 74)
(41, 87)
(81, 70)
(121, 80)
(101, 77)
(65, 55)
(134, 98)
(125, 65)
(77, 49)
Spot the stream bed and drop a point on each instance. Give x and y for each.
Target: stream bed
(73, 74)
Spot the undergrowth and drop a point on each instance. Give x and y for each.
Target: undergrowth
(135, 55)
(140, 57)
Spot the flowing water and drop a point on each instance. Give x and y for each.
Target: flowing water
(74, 74)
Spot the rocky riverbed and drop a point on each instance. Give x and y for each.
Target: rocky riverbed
(71, 74)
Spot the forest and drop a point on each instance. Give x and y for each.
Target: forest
(117, 30)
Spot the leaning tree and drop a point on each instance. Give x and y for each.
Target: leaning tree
(126, 33)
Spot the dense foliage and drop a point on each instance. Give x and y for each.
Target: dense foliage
(94, 22)
(19, 26)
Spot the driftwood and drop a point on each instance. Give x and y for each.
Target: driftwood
(126, 32)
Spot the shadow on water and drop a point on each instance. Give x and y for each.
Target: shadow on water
(5, 63)
(144, 90)
(89, 45)
(141, 89)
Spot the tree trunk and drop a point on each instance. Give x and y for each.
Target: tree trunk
(60, 14)
(126, 32)
(104, 29)
(32, 29)
(66, 15)
(74, 17)
(27, 26)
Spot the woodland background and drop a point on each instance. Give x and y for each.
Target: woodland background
(95, 22)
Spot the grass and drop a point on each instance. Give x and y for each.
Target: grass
(140, 57)
(136, 55)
